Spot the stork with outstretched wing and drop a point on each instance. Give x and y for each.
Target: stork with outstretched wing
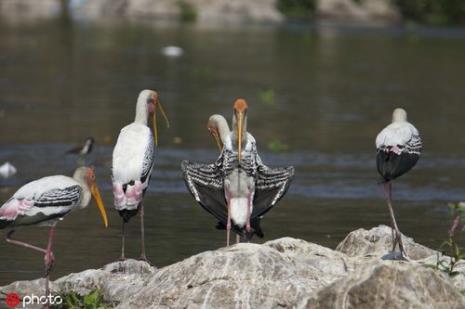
(238, 189)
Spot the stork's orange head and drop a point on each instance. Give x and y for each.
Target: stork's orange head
(240, 105)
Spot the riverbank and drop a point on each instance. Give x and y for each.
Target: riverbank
(285, 272)
(201, 11)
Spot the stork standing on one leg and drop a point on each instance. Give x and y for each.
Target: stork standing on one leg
(399, 148)
(45, 201)
(238, 189)
(133, 159)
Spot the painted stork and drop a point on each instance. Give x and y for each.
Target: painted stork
(238, 189)
(133, 159)
(44, 202)
(83, 149)
(219, 129)
(398, 150)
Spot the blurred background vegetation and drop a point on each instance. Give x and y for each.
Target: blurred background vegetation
(435, 12)
(432, 12)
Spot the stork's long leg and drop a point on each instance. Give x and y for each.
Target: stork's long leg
(228, 225)
(398, 236)
(123, 257)
(249, 208)
(238, 238)
(22, 244)
(143, 257)
(49, 258)
(48, 254)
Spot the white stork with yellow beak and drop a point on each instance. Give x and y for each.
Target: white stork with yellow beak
(133, 159)
(238, 189)
(45, 201)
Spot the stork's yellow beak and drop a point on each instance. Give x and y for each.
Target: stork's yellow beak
(218, 141)
(240, 129)
(98, 200)
(155, 127)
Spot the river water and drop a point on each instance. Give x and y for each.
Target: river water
(318, 95)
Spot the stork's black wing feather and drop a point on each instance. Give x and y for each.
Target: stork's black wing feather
(205, 183)
(59, 197)
(271, 185)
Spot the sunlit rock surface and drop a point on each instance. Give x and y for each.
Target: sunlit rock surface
(359, 10)
(287, 273)
(377, 242)
(16, 11)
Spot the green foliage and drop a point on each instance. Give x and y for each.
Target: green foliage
(93, 300)
(266, 96)
(276, 145)
(297, 8)
(188, 12)
(450, 247)
(437, 12)
(203, 71)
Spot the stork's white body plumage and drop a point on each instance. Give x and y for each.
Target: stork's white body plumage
(49, 197)
(132, 165)
(396, 133)
(133, 154)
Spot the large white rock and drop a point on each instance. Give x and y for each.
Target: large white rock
(286, 272)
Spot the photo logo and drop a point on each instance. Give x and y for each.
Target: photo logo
(13, 300)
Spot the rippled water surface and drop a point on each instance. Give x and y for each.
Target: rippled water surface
(318, 96)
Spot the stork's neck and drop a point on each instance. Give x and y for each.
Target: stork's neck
(142, 112)
(80, 178)
(223, 129)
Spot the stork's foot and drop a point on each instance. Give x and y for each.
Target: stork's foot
(401, 254)
(144, 258)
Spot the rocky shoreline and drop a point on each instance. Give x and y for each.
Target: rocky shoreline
(200, 11)
(282, 273)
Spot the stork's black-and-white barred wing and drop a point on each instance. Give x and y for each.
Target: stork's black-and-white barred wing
(205, 183)
(148, 161)
(69, 196)
(229, 161)
(414, 145)
(271, 185)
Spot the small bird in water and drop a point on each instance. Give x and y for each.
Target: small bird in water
(398, 150)
(133, 159)
(84, 149)
(238, 189)
(44, 202)
(7, 170)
